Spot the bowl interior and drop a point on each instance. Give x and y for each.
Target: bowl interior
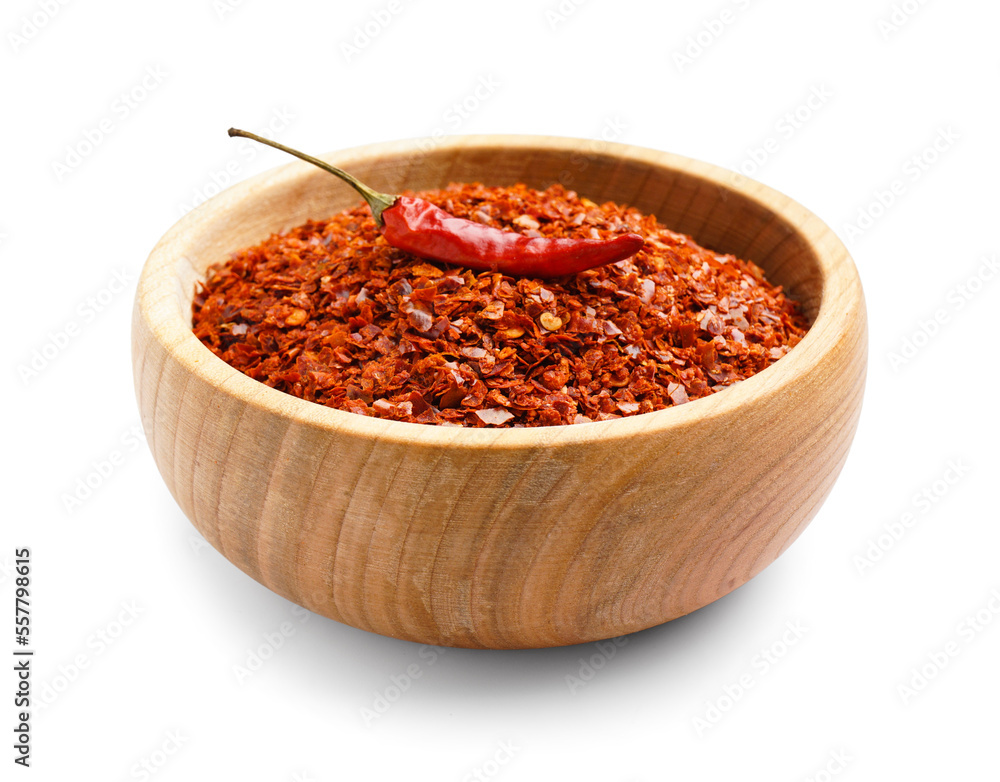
(716, 207)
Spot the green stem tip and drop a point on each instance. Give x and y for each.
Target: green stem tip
(378, 202)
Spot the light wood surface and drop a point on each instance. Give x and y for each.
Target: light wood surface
(505, 538)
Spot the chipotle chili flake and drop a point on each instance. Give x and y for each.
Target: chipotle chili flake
(329, 312)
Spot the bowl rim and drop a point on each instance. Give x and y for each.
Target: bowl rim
(156, 303)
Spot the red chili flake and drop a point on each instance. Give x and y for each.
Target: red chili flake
(677, 393)
(494, 416)
(329, 312)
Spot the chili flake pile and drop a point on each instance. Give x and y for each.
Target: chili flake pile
(331, 313)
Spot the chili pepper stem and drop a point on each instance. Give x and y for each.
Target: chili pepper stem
(378, 202)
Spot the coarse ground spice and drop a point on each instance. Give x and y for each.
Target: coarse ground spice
(329, 312)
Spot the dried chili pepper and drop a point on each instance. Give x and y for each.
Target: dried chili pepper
(422, 229)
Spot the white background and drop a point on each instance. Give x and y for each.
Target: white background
(140, 628)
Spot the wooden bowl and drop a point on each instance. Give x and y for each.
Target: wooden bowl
(505, 538)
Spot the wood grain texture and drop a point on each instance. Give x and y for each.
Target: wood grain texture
(505, 538)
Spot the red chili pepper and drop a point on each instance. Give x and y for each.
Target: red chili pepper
(427, 231)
